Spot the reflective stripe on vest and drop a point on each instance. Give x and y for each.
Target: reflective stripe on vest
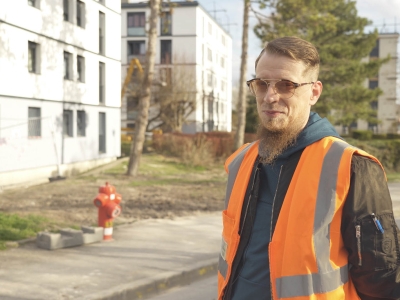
(307, 256)
(233, 171)
(327, 279)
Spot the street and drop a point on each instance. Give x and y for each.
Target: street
(205, 289)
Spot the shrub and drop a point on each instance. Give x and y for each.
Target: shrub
(195, 149)
(392, 136)
(363, 135)
(386, 151)
(379, 136)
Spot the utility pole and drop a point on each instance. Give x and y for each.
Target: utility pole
(228, 24)
(216, 10)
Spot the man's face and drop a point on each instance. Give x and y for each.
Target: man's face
(279, 114)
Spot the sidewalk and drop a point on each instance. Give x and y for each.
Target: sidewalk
(145, 257)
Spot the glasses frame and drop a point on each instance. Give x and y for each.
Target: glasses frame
(274, 81)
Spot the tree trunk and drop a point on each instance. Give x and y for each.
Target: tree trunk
(241, 108)
(144, 104)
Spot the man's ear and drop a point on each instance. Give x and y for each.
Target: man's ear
(316, 91)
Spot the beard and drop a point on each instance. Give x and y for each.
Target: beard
(274, 140)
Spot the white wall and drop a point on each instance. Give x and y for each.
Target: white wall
(20, 89)
(188, 38)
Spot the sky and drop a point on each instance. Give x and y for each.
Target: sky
(380, 12)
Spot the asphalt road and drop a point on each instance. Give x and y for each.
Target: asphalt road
(205, 289)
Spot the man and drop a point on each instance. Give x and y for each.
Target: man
(307, 215)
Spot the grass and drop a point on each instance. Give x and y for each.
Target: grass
(393, 177)
(156, 169)
(156, 164)
(14, 227)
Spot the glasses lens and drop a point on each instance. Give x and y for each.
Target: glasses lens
(284, 88)
(259, 88)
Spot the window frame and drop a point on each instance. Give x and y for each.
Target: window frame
(81, 68)
(66, 11)
(102, 128)
(141, 24)
(34, 3)
(36, 120)
(80, 14)
(166, 23)
(81, 117)
(68, 128)
(163, 52)
(34, 65)
(102, 33)
(102, 83)
(67, 65)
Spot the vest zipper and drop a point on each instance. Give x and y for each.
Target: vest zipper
(358, 236)
(258, 168)
(272, 217)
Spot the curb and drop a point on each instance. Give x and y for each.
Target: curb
(145, 288)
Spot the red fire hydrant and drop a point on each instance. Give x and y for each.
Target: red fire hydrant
(108, 203)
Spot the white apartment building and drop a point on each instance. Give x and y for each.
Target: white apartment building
(387, 106)
(60, 62)
(188, 36)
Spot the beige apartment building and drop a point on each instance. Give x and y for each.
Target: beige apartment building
(388, 104)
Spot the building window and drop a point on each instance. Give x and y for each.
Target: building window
(223, 40)
(66, 10)
(102, 27)
(223, 86)
(80, 14)
(373, 84)
(67, 65)
(81, 123)
(222, 62)
(80, 65)
(375, 52)
(374, 105)
(33, 57)
(209, 28)
(136, 49)
(166, 52)
(102, 79)
(210, 55)
(136, 24)
(132, 107)
(166, 23)
(34, 3)
(34, 122)
(68, 123)
(210, 79)
(102, 132)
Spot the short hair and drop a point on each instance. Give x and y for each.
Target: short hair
(296, 49)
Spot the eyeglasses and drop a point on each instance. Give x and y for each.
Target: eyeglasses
(282, 87)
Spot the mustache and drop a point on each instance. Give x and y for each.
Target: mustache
(272, 107)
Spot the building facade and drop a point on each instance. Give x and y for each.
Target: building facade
(194, 50)
(60, 87)
(387, 106)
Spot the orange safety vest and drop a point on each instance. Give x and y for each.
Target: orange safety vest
(307, 257)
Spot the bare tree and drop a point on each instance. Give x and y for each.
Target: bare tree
(241, 106)
(144, 103)
(174, 96)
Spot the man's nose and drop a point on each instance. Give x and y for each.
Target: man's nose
(270, 95)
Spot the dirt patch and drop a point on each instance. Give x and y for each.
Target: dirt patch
(149, 195)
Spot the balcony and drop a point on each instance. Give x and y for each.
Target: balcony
(136, 31)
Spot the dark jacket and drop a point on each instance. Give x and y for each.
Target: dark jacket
(375, 276)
